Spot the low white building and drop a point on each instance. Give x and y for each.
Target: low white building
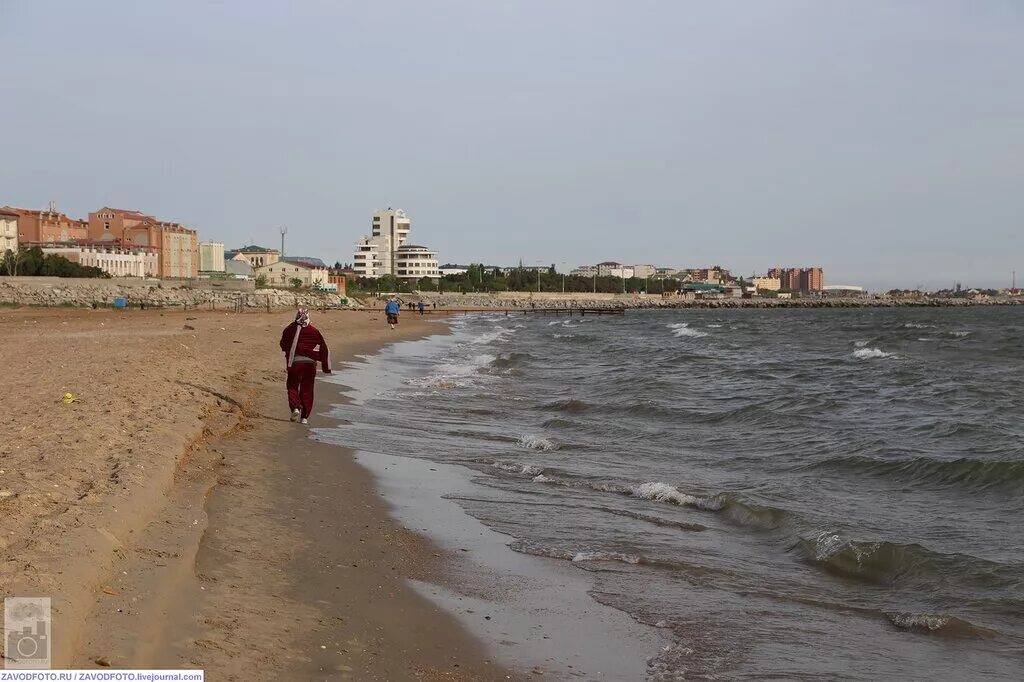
(416, 262)
(623, 272)
(113, 260)
(766, 283)
(282, 273)
(644, 271)
(239, 268)
(8, 232)
(584, 271)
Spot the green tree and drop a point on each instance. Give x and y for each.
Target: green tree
(296, 282)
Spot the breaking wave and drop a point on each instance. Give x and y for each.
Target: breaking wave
(889, 563)
(931, 623)
(682, 329)
(518, 468)
(537, 443)
(871, 353)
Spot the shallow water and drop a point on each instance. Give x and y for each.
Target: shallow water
(799, 494)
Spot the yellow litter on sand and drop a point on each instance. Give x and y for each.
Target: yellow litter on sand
(68, 398)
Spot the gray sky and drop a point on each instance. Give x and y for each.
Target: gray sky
(883, 141)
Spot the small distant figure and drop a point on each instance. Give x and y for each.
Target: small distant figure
(303, 347)
(422, 306)
(391, 311)
(435, 305)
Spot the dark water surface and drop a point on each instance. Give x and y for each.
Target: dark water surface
(791, 494)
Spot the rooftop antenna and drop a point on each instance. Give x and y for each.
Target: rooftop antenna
(284, 231)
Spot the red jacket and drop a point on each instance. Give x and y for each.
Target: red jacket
(310, 344)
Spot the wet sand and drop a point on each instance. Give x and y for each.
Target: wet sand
(178, 519)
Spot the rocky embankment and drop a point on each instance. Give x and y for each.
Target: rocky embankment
(103, 293)
(631, 302)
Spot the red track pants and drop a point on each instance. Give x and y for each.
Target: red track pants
(301, 377)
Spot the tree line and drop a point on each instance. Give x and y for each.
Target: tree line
(484, 279)
(32, 262)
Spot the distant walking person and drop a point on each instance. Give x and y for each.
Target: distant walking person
(391, 310)
(422, 306)
(303, 347)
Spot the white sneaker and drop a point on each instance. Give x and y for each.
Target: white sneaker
(305, 421)
(295, 414)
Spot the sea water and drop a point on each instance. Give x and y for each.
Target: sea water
(818, 494)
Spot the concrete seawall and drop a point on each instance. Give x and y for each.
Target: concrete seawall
(91, 293)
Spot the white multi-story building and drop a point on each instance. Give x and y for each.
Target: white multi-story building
(375, 255)
(416, 262)
(8, 232)
(386, 251)
(211, 257)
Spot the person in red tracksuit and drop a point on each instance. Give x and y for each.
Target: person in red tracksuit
(303, 347)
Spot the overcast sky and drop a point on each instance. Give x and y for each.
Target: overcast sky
(883, 141)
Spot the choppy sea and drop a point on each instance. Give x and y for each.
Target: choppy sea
(788, 494)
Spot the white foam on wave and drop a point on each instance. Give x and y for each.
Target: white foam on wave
(519, 468)
(960, 334)
(605, 556)
(496, 334)
(663, 492)
(714, 326)
(871, 353)
(541, 478)
(682, 329)
(455, 373)
(917, 325)
(537, 443)
(860, 344)
(919, 621)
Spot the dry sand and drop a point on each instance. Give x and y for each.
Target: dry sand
(178, 519)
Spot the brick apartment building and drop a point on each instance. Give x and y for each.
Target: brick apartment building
(177, 246)
(805, 280)
(46, 226)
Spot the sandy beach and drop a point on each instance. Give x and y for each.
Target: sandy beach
(178, 519)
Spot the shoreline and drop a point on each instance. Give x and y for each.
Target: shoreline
(199, 550)
(537, 613)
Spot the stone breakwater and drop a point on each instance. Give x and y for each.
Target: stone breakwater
(102, 293)
(627, 302)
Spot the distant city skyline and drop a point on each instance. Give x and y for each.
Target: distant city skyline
(879, 141)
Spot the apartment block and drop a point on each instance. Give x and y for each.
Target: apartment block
(177, 247)
(48, 225)
(806, 280)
